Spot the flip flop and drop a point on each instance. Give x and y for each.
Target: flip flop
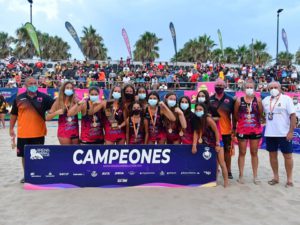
(289, 184)
(22, 181)
(256, 181)
(273, 182)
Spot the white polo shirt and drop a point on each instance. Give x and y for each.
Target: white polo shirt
(280, 125)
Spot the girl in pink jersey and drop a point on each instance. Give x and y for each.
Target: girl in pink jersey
(114, 118)
(185, 106)
(91, 122)
(68, 126)
(205, 132)
(154, 112)
(248, 113)
(136, 125)
(174, 129)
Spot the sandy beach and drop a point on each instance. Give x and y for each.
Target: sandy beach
(239, 204)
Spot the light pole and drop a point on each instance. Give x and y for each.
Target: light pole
(30, 2)
(278, 12)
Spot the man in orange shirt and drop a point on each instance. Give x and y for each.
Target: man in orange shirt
(101, 78)
(29, 110)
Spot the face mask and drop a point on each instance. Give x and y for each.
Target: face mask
(184, 106)
(116, 95)
(171, 103)
(68, 92)
(274, 92)
(32, 88)
(142, 96)
(201, 99)
(249, 91)
(152, 102)
(295, 101)
(94, 98)
(129, 96)
(219, 90)
(136, 112)
(199, 113)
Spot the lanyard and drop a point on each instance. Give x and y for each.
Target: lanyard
(136, 129)
(272, 108)
(153, 121)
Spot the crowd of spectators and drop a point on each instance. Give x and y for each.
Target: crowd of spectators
(160, 76)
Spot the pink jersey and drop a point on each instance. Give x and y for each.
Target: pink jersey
(248, 118)
(188, 133)
(92, 128)
(111, 134)
(156, 132)
(140, 139)
(68, 126)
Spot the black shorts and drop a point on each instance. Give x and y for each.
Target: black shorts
(248, 136)
(21, 142)
(226, 139)
(275, 143)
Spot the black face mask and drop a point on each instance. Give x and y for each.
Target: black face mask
(219, 90)
(129, 96)
(136, 112)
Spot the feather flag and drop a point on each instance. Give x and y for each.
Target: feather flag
(126, 39)
(221, 41)
(73, 33)
(33, 37)
(173, 33)
(285, 40)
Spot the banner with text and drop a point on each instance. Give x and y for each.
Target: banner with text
(112, 166)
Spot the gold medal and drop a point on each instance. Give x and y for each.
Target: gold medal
(114, 125)
(69, 119)
(170, 130)
(249, 116)
(94, 124)
(200, 140)
(181, 133)
(107, 112)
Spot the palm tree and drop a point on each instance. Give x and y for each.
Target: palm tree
(24, 47)
(206, 45)
(59, 49)
(285, 58)
(217, 55)
(297, 57)
(5, 42)
(243, 54)
(146, 48)
(230, 55)
(92, 44)
(259, 49)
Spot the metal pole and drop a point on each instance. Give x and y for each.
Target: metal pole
(277, 37)
(252, 51)
(31, 13)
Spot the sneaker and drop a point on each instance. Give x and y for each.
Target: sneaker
(22, 181)
(230, 175)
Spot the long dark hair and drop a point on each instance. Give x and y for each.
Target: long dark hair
(123, 91)
(155, 94)
(187, 113)
(205, 92)
(200, 124)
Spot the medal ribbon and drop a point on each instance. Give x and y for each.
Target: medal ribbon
(272, 108)
(153, 121)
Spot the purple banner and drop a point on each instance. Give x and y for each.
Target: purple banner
(112, 166)
(126, 39)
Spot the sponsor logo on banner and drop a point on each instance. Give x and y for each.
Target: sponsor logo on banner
(147, 173)
(63, 174)
(49, 175)
(94, 174)
(162, 173)
(189, 173)
(122, 180)
(78, 174)
(171, 173)
(207, 173)
(131, 173)
(39, 153)
(33, 174)
(119, 173)
(207, 154)
(105, 173)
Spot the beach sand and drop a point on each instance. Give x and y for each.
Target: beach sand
(238, 204)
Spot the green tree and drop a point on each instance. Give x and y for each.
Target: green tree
(5, 45)
(146, 48)
(24, 48)
(206, 45)
(285, 58)
(243, 54)
(297, 57)
(92, 44)
(230, 55)
(217, 55)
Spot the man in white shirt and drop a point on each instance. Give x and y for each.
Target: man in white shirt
(280, 124)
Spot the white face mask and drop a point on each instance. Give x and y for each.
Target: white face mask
(249, 91)
(201, 99)
(274, 92)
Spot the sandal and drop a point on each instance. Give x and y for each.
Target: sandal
(256, 181)
(240, 180)
(289, 184)
(22, 181)
(273, 182)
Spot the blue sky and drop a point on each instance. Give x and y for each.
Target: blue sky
(238, 20)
